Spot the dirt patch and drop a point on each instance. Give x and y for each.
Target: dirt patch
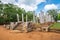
(8, 35)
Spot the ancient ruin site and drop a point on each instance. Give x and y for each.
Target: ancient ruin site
(29, 19)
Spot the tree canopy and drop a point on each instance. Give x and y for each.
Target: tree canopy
(53, 13)
(8, 13)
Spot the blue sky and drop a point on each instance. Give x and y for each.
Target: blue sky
(35, 5)
(48, 2)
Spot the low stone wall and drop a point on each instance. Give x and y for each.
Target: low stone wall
(27, 27)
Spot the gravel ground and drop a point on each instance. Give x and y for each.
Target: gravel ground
(16, 35)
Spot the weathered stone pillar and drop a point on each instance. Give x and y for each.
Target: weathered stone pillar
(41, 16)
(52, 19)
(47, 18)
(17, 18)
(22, 18)
(34, 17)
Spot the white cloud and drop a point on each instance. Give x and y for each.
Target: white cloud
(28, 5)
(8, 1)
(28, 8)
(30, 2)
(50, 6)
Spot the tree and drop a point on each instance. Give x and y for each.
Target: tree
(9, 12)
(53, 13)
(20, 11)
(30, 15)
(1, 7)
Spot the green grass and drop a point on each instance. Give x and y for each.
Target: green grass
(55, 26)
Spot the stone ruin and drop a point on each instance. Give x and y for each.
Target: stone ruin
(45, 22)
(19, 25)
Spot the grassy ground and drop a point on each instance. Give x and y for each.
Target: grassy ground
(55, 26)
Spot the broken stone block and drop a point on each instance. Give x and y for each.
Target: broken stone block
(12, 25)
(24, 27)
(7, 26)
(45, 29)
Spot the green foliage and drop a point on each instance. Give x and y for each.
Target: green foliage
(9, 12)
(58, 16)
(53, 13)
(30, 15)
(1, 20)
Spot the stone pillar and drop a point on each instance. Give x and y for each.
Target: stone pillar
(49, 18)
(46, 17)
(41, 16)
(52, 19)
(17, 18)
(34, 17)
(22, 18)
